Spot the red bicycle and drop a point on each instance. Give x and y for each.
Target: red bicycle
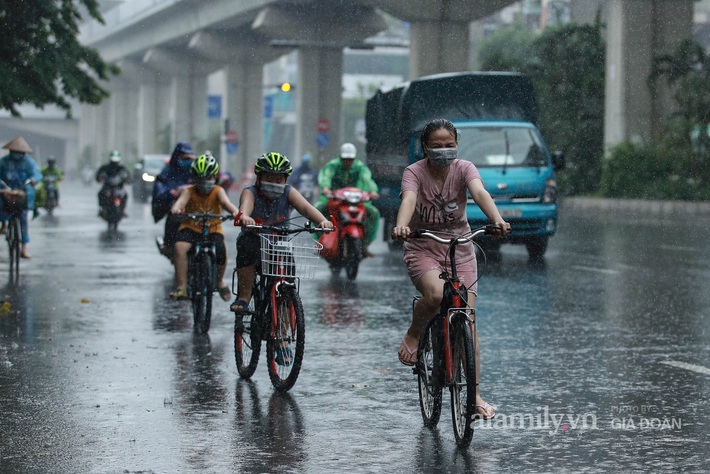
(447, 355)
(277, 315)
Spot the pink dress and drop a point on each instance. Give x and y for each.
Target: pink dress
(443, 210)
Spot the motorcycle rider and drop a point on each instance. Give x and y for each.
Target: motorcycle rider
(305, 178)
(168, 184)
(344, 171)
(16, 168)
(111, 169)
(49, 170)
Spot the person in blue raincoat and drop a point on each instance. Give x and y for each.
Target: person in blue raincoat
(171, 179)
(16, 169)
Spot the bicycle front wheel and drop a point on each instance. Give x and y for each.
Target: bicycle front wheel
(202, 294)
(463, 385)
(284, 351)
(247, 341)
(430, 373)
(14, 238)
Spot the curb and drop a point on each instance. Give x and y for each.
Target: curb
(664, 208)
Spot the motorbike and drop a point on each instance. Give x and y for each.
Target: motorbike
(344, 247)
(49, 183)
(306, 185)
(114, 202)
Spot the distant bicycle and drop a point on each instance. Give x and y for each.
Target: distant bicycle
(14, 202)
(202, 272)
(277, 315)
(447, 352)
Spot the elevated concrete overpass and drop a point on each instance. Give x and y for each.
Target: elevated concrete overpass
(167, 48)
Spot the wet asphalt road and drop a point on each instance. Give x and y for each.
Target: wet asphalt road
(594, 358)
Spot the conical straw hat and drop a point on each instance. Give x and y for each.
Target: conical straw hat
(18, 144)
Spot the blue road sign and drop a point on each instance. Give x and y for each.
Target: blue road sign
(268, 106)
(214, 106)
(322, 140)
(232, 148)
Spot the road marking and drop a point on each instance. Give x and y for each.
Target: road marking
(684, 365)
(607, 271)
(679, 247)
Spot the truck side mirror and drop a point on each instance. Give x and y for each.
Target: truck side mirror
(558, 160)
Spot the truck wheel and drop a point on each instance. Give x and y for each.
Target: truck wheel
(536, 248)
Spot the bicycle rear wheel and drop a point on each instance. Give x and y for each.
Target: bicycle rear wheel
(430, 373)
(284, 351)
(14, 237)
(463, 386)
(202, 294)
(247, 340)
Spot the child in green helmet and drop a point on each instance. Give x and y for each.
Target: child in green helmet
(268, 202)
(202, 197)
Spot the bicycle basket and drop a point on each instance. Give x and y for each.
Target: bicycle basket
(14, 200)
(287, 255)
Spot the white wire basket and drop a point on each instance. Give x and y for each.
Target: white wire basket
(289, 255)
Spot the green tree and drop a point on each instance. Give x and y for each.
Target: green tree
(568, 72)
(508, 49)
(566, 64)
(41, 59)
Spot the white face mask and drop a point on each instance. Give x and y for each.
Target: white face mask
(442, 157)
(272, 190)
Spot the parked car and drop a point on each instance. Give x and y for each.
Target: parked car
(147, 168)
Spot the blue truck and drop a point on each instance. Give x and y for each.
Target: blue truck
(496, 115)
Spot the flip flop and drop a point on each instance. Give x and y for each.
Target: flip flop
(484, 408)
(224, 293)
(409, 351)
(239, 307)
(179, 295)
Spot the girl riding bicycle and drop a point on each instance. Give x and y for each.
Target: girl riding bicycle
(202, 197)
(434, 196)
(269, 202)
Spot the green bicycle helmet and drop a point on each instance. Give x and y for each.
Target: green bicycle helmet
(273, 162)
(204, 166)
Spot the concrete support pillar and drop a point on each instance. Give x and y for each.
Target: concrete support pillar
(188, 110)
(319, 96)
(180, 108)
(585, 11)
(198, 111)
(163, 120)
(245, 112)
(147, 137)
(638, 31)
(438, 46)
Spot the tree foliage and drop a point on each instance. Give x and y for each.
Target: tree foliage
(566, 64)
(41, 59)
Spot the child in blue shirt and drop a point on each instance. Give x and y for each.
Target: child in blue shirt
(267, 202)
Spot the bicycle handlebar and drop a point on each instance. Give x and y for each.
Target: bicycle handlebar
(489, 229)
(204, 216)
(24, 185)
(285, 230)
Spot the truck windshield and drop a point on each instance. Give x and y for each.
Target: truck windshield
(489, 147)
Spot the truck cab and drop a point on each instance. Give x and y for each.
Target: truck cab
(496, 116)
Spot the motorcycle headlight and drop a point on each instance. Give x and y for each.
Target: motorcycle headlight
(353, 197)
(148, 178)
(550, 194)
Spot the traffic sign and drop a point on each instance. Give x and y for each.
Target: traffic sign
(268, 106)
(231, 136)
(214, 106)
(322, 140)
(323, 125)
(232, 148)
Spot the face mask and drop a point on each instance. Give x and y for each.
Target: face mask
(272, 190)
(184, 163)
(442, 157)
(16, 156)
(204, 187)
